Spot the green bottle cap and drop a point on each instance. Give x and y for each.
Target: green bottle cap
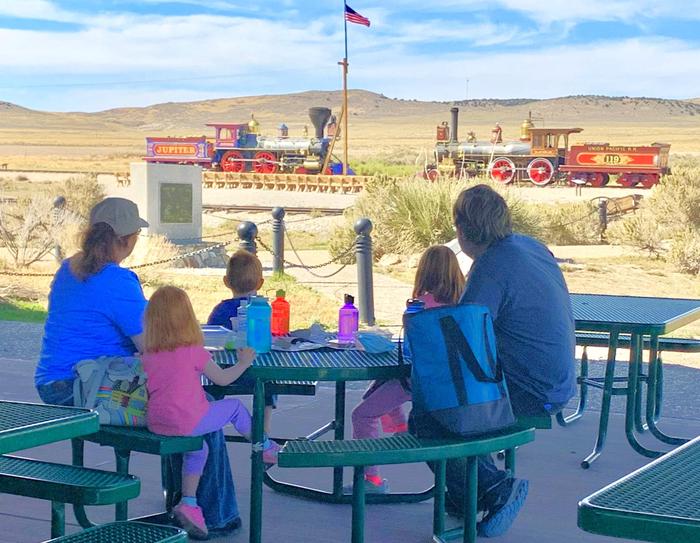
(280, 293)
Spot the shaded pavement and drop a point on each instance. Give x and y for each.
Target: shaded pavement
(551, 463)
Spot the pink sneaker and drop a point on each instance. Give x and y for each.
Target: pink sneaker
(270, 454)
(191, 520)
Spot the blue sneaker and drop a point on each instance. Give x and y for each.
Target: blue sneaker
(501, 515)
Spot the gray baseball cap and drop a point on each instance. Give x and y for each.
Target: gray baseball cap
(121, 214)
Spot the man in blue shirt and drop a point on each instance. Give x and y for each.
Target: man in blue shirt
(520, 282)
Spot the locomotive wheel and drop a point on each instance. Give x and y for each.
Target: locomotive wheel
(649, 180)
(540, 171)
(232, 161)
(265, 162)
(300, 170)
(432, 175)
(502, 170)
(598, 179)
(627, 180)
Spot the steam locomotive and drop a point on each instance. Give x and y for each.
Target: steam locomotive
(542, 155)
(241, 148)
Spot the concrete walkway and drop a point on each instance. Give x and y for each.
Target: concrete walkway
(551, 464)
(390, 294)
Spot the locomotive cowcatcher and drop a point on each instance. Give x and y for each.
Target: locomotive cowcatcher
(542, 155)
(240, 148)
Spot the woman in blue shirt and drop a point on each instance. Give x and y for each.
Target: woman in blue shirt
(96, 309)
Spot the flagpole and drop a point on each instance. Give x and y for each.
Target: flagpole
(345, 96)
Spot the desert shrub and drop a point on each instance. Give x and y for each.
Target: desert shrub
(685, 252)
(31, 228)
(151, 249)
(668, 223)
(411, 214)
(639, 230)
(568, 224)
(676, 201)
(81, 193)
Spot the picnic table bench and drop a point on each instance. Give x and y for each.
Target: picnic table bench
(25, 425)
(659, 502)
(401, 449)
(126, 532)
(124, 440)
(61, 484)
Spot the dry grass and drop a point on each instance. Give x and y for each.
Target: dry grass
(396, 130)
(307, 306)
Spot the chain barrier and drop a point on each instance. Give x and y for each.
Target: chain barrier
(180, 257)
(301, 264)
(22, 274)
(136, 267)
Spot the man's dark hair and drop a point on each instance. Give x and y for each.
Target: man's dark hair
(481, 215)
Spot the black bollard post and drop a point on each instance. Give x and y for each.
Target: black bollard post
(602, 217)
(58, 204)
(247, 232)
(365, 282)
(278, 240)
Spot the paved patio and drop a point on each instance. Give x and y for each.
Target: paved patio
(551, 463)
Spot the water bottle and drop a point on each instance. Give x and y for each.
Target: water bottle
(259, 321)
(280, 315)
(241, 328)
(413, 305)
(348, 321)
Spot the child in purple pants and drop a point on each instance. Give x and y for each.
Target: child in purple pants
(439, 281)
(174, 359)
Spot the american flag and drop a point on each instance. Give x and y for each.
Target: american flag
(352, 16)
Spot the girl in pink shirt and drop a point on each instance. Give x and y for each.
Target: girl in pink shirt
(439, 281)
(174, 359)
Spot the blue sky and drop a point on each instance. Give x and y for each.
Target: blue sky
(90, 55)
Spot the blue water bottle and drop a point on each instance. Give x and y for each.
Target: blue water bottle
(259, 319)
(413, 305)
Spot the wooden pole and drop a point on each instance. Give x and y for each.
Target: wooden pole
(345, 116)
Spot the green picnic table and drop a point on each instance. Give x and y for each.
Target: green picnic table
(334, 365)
(644, 319)
(25, 425)
(659, 502)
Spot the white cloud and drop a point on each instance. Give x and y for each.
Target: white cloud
(615, 67)
(250, 55)
(549, 11)
(36, 9)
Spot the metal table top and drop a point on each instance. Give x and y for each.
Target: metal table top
(320, 365)
(25, 425)
(660, 500)
(632, 314)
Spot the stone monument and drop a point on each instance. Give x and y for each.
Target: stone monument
(169, 197)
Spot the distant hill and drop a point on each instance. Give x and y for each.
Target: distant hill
(366, 107)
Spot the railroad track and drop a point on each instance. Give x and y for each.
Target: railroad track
(302, 182)
(344, 184)
(268, 209)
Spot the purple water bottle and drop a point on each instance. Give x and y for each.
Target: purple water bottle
(348, 321)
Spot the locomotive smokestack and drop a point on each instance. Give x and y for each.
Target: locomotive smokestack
(455, 122)
(319, 117)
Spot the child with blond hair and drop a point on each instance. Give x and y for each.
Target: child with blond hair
(174, 359)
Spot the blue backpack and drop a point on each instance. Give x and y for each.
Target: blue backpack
(456, 377)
